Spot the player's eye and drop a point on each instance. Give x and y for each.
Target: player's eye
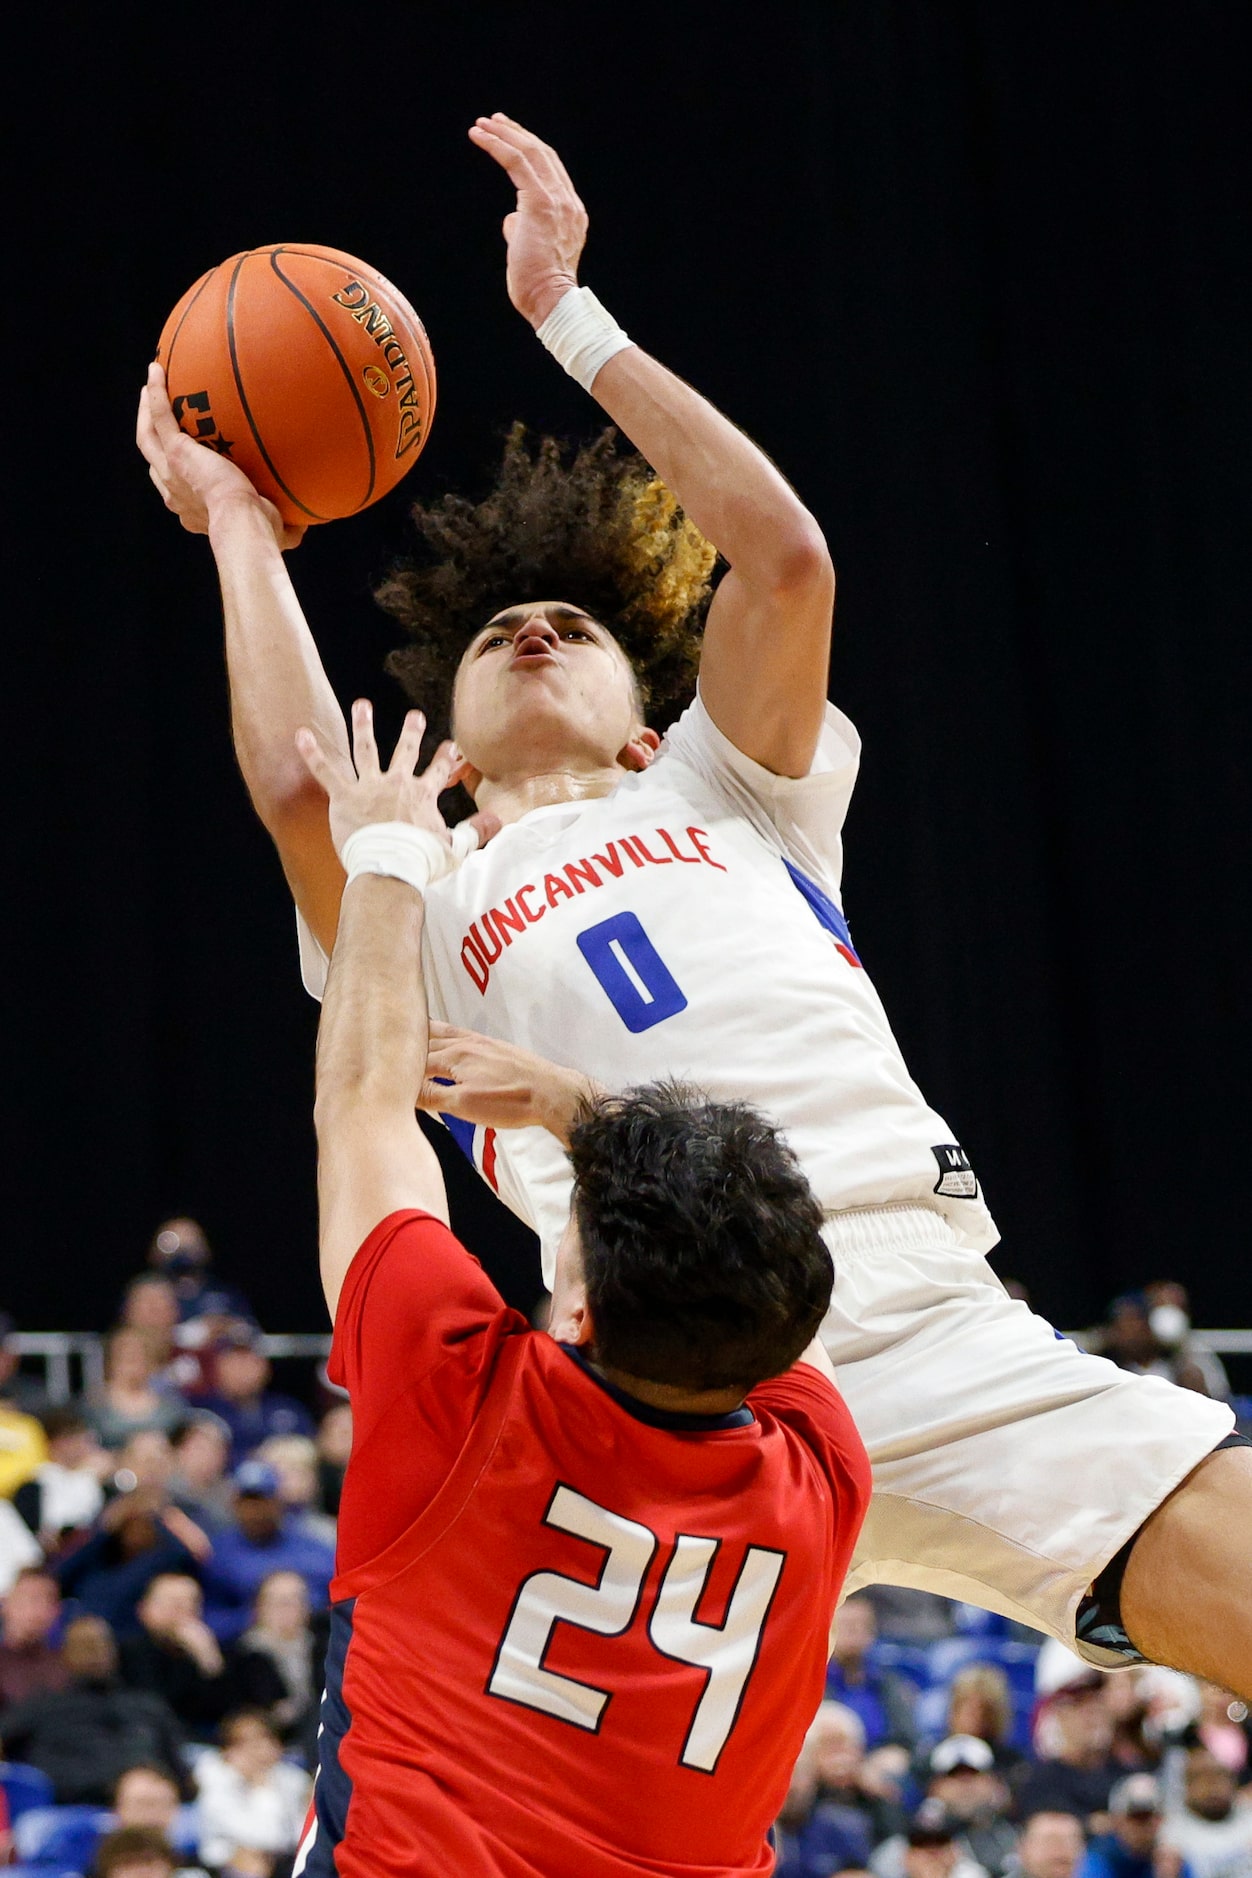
(575, 632)
(493, 640)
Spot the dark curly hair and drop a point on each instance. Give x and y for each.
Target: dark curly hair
(702, 1246)
(591, 524)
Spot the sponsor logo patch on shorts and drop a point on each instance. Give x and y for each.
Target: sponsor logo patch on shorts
(956, 1180)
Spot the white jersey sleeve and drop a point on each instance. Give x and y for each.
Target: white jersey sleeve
(806, 813)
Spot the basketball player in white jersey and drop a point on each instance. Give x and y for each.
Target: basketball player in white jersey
(658, 908)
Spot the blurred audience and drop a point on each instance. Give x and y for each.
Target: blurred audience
(22, 1445)
(848, 1777)
(19, 1548)
(200, 1482)
(1051, 1846)
(131, 1399)
(883, 1700)
(29, 1660)
(251, 1800)
(64, 1494)
(176, 1656)
(282, 1630)
(334, 1445)
(1149, 1331)
(1130, 1848)
(181, 1253)
(86, 1734)
(1209, 1829)
(135, 1852)
(264, 1538)
(1074, 1771)
(242, 1397)
(139, 1535)
(815, 1836)
(980, 1703)
(294, 1460)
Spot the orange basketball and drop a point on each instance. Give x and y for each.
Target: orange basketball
(309, 370)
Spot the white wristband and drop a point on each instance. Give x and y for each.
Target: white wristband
(402, 852)
(581, 336)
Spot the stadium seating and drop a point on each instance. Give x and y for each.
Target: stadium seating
(24, 1787)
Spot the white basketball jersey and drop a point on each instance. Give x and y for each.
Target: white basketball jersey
(689, 925)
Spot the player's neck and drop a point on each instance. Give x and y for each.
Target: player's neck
(674, 1401)
(511, 797)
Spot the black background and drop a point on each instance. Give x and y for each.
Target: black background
(976, 275)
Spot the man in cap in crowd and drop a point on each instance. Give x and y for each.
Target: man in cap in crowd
(1210, 1830)
(241, 1394)
(966, 1795)
(265, 1537)
(1130, 1847)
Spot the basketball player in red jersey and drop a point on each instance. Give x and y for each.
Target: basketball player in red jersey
(586, 1579)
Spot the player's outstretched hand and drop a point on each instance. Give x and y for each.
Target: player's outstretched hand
(546, 231)
(362, 791)
(482, 1080)
(191, 478)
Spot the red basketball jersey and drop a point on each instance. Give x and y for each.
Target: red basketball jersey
(572, 1635)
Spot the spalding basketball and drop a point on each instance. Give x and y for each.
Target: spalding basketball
(308, 369)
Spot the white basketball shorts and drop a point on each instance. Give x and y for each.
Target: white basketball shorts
(1009, 1465)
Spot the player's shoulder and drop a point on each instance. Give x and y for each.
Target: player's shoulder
(809, 1406)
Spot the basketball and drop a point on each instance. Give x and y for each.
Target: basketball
(309, 370)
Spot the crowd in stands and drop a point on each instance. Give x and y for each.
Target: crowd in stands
(166, 1548)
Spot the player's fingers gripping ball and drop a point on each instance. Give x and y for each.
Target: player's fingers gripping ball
(309, 370)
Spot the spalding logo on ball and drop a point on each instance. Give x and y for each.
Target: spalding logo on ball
(309, 370)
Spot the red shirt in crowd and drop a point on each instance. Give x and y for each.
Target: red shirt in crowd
(572, 1634)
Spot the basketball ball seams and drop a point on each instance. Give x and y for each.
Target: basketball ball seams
(240, 353)
(243, 396)
(344, 366)
(192, 297)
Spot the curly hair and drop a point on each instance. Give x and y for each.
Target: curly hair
(593, 525)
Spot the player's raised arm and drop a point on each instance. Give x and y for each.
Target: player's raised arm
(371, 1046)
(771, 614)
(276, 678)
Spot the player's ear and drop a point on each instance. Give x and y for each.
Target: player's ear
(638, 750)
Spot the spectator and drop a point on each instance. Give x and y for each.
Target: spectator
(85, 1735)
(200, 1483)
(1183, 1360)
(815, 1837)
(294, 1460)
(1074, 1772)
(931, 1846)
(176, 1656)
(909, 1616)
(334, 1445)
(138, 1535)
(963, 1783)
(22, 1445)
(64, 1494)
(180, 1252)
(130, 1400)
(135, 1852)
(1050, 1846)
(145, 1795)
(250, 1798)
(150, 1305)
(1129, 1848)
(242, 1396)
(844, 1778)
(265, 1538)
(980, 1703)
(145, 1459)
(1209, 1830)
(281, 1630)
(883, 1701)
(19, 1548)
(29, 1663)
